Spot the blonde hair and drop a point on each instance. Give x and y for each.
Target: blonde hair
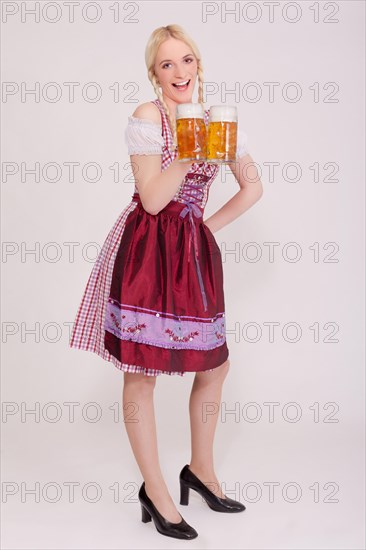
(160, 35)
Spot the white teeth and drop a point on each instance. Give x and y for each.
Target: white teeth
(181, 83)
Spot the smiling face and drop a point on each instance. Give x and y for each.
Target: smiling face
(175, 63)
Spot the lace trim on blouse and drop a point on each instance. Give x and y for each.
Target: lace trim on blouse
(241, 144)
(143, 137)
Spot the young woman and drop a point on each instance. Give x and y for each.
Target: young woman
(154, 302)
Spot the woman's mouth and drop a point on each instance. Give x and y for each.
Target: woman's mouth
(181, 86)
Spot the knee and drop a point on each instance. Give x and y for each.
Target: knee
(218, 374)
(140, 382)
(224, 368)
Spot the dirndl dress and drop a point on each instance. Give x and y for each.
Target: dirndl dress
(154, 301)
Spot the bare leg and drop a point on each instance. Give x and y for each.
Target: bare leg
(206, 391)
(139, 416)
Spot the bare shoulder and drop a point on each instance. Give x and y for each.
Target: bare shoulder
(148, 111)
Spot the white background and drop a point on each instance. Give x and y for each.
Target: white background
(322, 454)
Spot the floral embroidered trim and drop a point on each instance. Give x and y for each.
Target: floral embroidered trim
(164, 330)
(166, 314)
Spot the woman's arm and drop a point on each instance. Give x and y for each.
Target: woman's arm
(156, 188)
(250, 192)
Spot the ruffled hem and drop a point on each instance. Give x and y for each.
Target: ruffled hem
(132, 150)
(104, 354)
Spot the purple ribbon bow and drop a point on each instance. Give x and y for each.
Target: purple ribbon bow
(192, 208)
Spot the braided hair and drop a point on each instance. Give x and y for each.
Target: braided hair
(156, 39)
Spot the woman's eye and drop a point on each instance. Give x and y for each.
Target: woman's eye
(189, 59)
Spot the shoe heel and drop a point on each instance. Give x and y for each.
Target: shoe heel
(184, 493)
(145, 515)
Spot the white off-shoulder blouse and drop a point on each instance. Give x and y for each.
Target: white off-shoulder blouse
(143, 137)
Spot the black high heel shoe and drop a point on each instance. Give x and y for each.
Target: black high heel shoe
(188, 481)
(179, 530)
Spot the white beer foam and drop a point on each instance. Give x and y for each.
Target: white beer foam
(223, 113)
(189, 110)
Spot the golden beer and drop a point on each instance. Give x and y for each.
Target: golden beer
(222, 134)
(191, 132)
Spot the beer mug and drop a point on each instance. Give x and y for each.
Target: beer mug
(191, 132)
(222, 134)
